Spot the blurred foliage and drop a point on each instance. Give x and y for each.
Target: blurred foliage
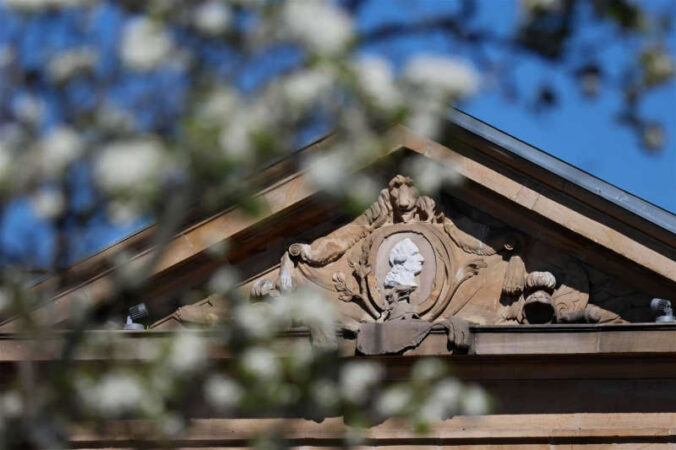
(113, 112)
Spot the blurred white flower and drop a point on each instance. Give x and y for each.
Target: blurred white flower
(130, 166)
(325, 393)
(236, 138)
(131, 269)
(428, 369)
(431, 175)
(223, 281)
(442, 402)
(357, 378)
(475, 401)
(658, 65)
(375, 77)
(7, 56)
(58, 149)
(318, 24)
(363, 189)
(69, 63)
(47, 203)
(122, 212)
(307, 87)
(257, 319)
(652, 135)
(114, 394)
(393, 401)
(327, 171)
(261, 363)
(36, 5)
(188, 353)
(219, 105)
(222, 393)
(424, 120)
(440, 76)
(5, 301)
(145, 44)
(172, 424)
(300, 356)
(11, 404)
(211, 17)
(29, 108)
(307, 307)
(540, 5)
(6, 163)
(113, 118)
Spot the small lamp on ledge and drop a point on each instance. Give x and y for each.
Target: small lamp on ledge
(663, 307)
(136, 313)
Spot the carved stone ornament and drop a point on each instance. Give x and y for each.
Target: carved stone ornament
(397, 267)
(404, 267)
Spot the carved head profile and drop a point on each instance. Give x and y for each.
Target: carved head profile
(406, 262)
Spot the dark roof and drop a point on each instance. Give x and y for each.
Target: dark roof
(646, 210)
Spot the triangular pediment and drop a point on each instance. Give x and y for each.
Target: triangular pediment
(516, 215)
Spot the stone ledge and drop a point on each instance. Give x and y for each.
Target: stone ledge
(504, 429)
(524, 340)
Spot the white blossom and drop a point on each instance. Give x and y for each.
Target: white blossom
(122, 212)
(653, 136)
(5, 300)
(188, 353)
(212, 17)
(114, 394)
(6, 163)
(540, 5)
(29, 108)
(393, 401)
(236, 138)
(325, 393)
(145, 44)
(475, 401)
(424, 120)
(223, 281)
(307, 307)
(222, 392)
(363, 189)
(431, 175)
(36, 5)
(327, 171)
(220, 104)
(113, 118)
(377, 81)
(428, 369)
(357, 378)
(261, 363)
(257, 319)
(318, 24)
(307, 87)
(442, 402)
(440, 76)
(11, 404)
(7, 56)
(58, 149)
(69, 63)
(127, 166)
(48, 203)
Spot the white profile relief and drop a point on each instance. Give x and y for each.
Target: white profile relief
(406, 262)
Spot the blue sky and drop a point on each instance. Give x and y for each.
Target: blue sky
(582, 131)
